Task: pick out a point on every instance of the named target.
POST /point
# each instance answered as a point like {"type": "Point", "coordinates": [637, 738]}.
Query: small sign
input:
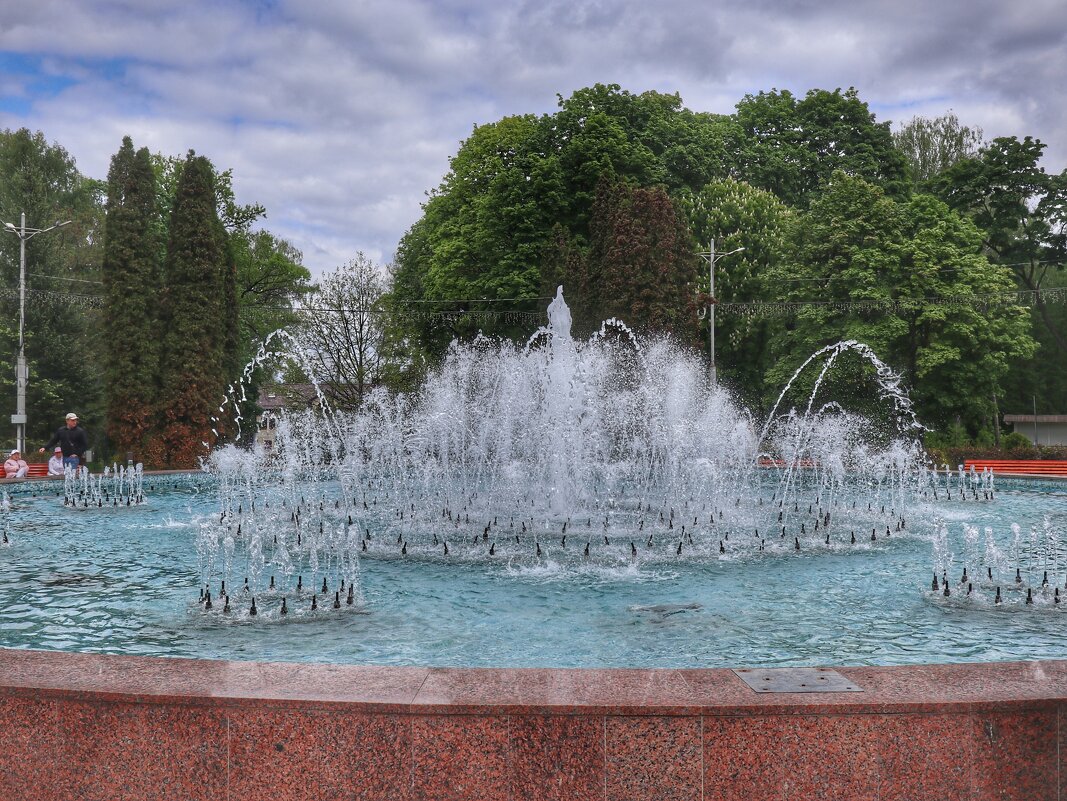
{"type": "Point", "coordinates": [796, 680]}
{"type": "Point", "coordinates": [18, 419]}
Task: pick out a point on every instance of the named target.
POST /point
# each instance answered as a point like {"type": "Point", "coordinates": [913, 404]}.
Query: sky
{"type": "Point", "coordinates": [339, 116]}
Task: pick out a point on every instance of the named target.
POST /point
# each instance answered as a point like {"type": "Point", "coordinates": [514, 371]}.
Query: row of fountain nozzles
{"type": "Point", "coordinates": [934, 587]}
{"type": "Point", "coordinates": [253, 610]}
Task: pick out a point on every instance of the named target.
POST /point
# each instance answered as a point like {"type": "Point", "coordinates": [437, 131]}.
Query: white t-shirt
{"type": "Point", "coordinates": [55, 466]}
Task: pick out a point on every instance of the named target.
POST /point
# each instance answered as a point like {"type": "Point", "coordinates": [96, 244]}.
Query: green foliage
{"type": "Point", "coordinates": [194, 319]}
{"type": "Point", "coordinates": [520, 193]}
{"type": "Point", "coordinates": [62, 342]}
{"type": "Point", "coordinates": [931, 146]}
{"type": "Point", "coordinates": [1015, 441]}
{"type": "Point", "coordinates": [856, 244]}
{"type": "Point", "coordinates": [131, 283]}
{"type": "Point", "coordinates": [225, 288]}
{"type": "Point", "coordinates": [792, 146]}
{"type": "Point", "coordinates": [737, 215]}
{"type": "Point", "coordinates": [271, 278]}
{"type": "Point", "coordinates": [233, 215]}
{"type": "Point", "coordinates": [1022, 212]}
{"type": "Point", "coordinates": [1021, 209]}
{"type": "Point", "coordinates": [640, 266]}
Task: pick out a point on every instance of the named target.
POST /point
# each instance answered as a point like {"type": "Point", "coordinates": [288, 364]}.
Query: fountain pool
{"type": "Point", "coordinates": [126, 581]}
{"type": "Point", "coordinates": [566, 504]}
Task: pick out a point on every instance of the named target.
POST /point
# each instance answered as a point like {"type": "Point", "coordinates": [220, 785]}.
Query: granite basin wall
{"type": "Point", "coordinates": [111, 727]}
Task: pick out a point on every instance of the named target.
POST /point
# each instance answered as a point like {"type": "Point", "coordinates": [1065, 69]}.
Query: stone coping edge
{"type": "Point", "coordinates": [966, 687]}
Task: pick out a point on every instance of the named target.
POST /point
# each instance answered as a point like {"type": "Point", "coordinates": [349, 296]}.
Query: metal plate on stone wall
{"type": "Point", "coordinates": [796, 680]}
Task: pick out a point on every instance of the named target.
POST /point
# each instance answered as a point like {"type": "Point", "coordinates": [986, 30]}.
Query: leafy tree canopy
{"type": "Point", "coordinates": [736, 216]}
{"type": "Point", "coordinates": [921, 267]}
{"type": "Point", "coordinates": [489, 230]}
{"type": "Point", "coordinates": [1021, 210]}
{"type": "Point", "coordinates": [932, 145]}
{"type": "Point", "coordinates": [42, 180]}
{"type": "Point", "coordinates": [791, 146]}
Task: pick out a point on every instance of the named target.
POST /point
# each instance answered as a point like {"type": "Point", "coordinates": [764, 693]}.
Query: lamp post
{"type": "Point", "coordinates": [710, 256]}
{"type": "Point", "coordinates": [22, 373]}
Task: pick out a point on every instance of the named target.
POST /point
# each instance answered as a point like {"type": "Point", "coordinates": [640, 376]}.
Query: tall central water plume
{"type": "Point", "coordinates": [615, 442]}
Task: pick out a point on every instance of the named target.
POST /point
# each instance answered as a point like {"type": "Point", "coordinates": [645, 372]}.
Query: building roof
{"type": "Point", "coordinates": [279, 396]}
{"type": "Point", "coordinates": [1035, 418]}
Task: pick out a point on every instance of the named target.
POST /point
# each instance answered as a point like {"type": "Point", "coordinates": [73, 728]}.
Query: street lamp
{"type": "Point", "coordinates": [710, 256]}
{"type": "Point", "coordinates": [22, 374]}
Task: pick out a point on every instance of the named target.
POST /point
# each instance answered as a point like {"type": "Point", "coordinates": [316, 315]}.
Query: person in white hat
{"type": "Point", "coordinates": [15, 466]}
{"type": "Point", "coordinates": [72, 438]}
{"type": "Point", "coordinates": [55, 464]}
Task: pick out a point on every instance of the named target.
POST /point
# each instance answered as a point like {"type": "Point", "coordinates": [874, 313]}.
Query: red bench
{"type": "Point", "coordinates": [38, 470]}
{"type": "Point", "coordinates": [1035, 467]}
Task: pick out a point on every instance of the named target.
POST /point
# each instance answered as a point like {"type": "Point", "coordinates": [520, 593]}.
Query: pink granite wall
{"type": "Point", "coordinates": [100, 727]}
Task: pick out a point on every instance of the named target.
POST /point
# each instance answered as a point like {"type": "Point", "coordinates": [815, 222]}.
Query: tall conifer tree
{"type": "Point", "coordinates": [194, 327]}
{"type": "Point", "coordinates": [131, 285]}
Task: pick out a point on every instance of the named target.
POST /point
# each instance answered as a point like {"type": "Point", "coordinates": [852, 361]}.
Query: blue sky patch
{"type": "Point", "coordinates": [25, 71]}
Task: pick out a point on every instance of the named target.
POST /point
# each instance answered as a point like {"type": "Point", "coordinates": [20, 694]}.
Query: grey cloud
{"type": "Point", "coordinates": [339, 116]}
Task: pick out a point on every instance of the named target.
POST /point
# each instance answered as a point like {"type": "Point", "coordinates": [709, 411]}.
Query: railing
{"type": "Point", "coordinates": [1035, 467]}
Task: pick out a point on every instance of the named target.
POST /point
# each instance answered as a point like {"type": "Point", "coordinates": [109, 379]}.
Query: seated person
{"type": "Point", "coordinates": [55, 464]}
{"type": "Point", "coordinates": [15, 466]}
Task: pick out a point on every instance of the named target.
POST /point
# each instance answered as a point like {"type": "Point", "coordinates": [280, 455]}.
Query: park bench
{"type": "Point", "coordinates": [1034, 467]}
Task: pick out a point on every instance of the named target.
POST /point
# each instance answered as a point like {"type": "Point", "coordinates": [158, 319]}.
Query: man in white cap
{"type": "Point", "coordinates": [72, 439]}
{"type": "Point", "coordinates": [15, 466]}
{"type": "Point", "coordinates": [55, 464]}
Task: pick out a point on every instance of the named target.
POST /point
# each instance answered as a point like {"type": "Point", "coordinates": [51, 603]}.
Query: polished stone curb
{"type": "Point", "coordinates": [92, 726]}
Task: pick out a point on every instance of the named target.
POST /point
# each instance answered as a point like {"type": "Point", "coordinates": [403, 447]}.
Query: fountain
{"type": "Point", "coordinates": [562, 504]}
{"type": "Point", "coordinates": [115, 486]}
{"type": "Point", "coordinates": [608, 453]}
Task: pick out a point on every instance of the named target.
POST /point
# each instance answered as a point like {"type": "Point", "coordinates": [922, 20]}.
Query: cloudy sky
{"type": "Point", "coordinates": [338, 115]}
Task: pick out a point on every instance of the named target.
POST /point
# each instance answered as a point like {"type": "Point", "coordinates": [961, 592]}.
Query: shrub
{"type": "Point", "coordinates": [1015, 441]}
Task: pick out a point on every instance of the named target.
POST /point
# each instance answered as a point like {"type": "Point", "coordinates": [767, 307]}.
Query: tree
{"type": "Point", "coordinates": [1022, 211]}
{"type": "Point", "coordinates": [194, 318]}
{"type": "Point", "coordinates": [919, 268]}
{"type": "Point", "coordinates": [640, 267]}
{"type": "Point", "coordinates": [489, 232]}
{"type": "Point", "coordinates": [738, 215]}
{"type": "Point", "coordinates": [271, 279]}
{"type": "Point", "coordinates": [62, 273]}
{"type": "Point", "coordinates": [343, 332]}
{"type": "Point", "coordinates": [931, 146]}
{"type": "Point", "coordinates": [131, 283]}
{"type": "Point", "coordinates": [234, 216]}
{"type": "Point", "coordinates": [792, 146]}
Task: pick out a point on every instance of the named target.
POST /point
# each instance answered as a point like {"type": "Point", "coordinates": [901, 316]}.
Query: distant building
{"type": "Point", "coordinates": [272, 401]}
{"type": "Point", "coordinates": [1042, 429]}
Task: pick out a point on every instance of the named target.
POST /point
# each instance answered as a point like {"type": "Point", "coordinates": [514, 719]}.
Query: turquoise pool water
{"type": "Point", "coordinates": [127, 581]}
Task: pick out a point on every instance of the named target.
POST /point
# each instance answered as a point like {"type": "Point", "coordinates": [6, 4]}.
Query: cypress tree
{"type": "Point", "coordinates": [131, 285]}
{"type": "Point", "coordinates": [194, 312]}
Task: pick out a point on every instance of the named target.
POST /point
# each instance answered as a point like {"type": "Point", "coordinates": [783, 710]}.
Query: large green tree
{"type": "Point", "coordinates": [791, 146]}
{"type": "Point", "coordinates": [131, 274]}
{"type": "Point", "coordinates": [520, 186]}
{"type": "Point", "coordinates": [271, 278]}
{"type": "Point", "coordinates": [41, 179]}
{"type": "Point", "coordinates": [908, 279]}
{"type": "Point", "coordinates": [194, 318]}
{"type": "Point", "coordinates": [736, 216]}
{"type": "Point", "coordinates": [1021, 210]}
{"type": "Point", "coordinates": [932, 145]}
